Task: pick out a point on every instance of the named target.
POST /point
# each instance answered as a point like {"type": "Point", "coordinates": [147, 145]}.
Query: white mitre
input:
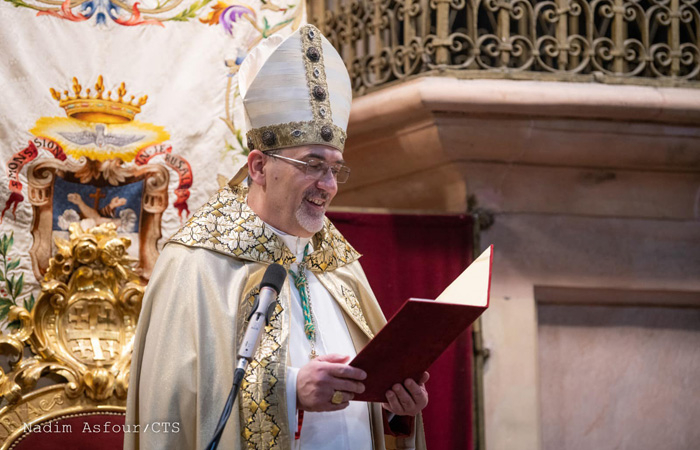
{"type": "Point", "coordinates": [296, 91]}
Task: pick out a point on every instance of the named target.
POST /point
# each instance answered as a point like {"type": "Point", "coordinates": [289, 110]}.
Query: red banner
{"type": "Point", "coordinates": [178, 164]}
{"type": "Point", "coordinates": [17, 162]}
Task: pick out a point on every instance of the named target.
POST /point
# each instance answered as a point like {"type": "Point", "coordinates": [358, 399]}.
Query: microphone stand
{"type": "Point", "coordinates": [238, 375]}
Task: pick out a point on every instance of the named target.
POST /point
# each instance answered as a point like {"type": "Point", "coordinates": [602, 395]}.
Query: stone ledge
{"type": "Point", "coordinates": [521, 146]}
{"type": "Point", "coordinates": [418, 98]}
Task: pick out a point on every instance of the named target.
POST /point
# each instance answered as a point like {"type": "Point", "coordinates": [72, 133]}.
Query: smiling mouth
{"type": "Point", "coordinates": [316, 199]}
{"type": "Point", "coordinates": [316, 202]}
{"type": "Point", "coordinates": [316, 206]}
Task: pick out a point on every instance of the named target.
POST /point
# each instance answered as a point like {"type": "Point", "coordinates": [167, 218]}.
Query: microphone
{"type": "Point", "coordinates": [264, 305]}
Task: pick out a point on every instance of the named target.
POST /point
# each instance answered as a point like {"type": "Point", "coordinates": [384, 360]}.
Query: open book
{"type": "Point", "coordinates": [422, 329]}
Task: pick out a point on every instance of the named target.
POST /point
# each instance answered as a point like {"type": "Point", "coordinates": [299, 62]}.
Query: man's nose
{"type": "Point", "coordinates": [328, 182]}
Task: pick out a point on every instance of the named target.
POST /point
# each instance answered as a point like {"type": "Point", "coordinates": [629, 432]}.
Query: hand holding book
{"type": "Point", "coordinates": [408, 399]}
{"type": "Point", "coordinates": [422, 329]}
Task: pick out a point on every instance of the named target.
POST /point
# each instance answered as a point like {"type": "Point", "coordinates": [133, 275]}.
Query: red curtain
{"type": "Point", "coordinates": [418, 256]}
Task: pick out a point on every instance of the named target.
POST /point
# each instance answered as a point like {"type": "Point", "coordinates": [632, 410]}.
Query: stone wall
{"type": "Point", "coordinates": [595, 192]}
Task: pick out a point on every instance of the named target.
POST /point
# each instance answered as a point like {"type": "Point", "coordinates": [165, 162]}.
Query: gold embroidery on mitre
{"type": "Point", "coordinates": [293, 134]}
{"type": "Point", "coordinates": [312, 45]}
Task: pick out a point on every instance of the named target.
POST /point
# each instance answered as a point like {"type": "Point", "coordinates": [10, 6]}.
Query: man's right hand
{"type": "Point", "coordinates": [321, 377]}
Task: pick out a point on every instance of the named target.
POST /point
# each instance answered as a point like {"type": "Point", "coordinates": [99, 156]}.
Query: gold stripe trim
{"type": "Point", "coordinates": [315, 73]}
{"type": "Point", "coordinates": [263, 408]}
{"type": "Point", "coordinates": [293, 134]}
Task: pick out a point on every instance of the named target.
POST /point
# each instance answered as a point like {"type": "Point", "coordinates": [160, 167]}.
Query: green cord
{"type": "Point", "coordinates": [302, 286]}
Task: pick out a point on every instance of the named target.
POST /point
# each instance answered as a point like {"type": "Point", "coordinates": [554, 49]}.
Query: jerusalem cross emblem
{"type": "Point", "coordinates": [92, 332]}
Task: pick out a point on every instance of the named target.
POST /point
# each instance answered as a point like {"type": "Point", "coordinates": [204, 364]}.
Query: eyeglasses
{"type": "Point", "coordinates": [317, 168]}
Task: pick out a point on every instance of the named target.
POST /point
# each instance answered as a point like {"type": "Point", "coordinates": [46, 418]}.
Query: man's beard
{"type": "Point", "coordinates": [311, 221]}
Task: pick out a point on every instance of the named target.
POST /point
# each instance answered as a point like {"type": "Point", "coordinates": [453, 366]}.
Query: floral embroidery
{"type": "Point", "coordinates": [227, 225]}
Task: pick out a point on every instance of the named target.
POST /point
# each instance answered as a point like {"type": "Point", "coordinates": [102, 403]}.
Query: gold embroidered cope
{"type": "Point", "coordinates": [227, 225]}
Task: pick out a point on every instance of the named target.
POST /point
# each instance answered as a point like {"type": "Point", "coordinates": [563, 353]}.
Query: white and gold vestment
{"type": "Point", "coordinates": [194, 311]}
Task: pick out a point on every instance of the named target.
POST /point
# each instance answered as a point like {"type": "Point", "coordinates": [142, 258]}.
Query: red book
{"type": "Point", "coordinates": [422, 329]}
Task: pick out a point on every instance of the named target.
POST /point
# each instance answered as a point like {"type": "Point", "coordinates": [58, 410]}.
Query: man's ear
{"type": "Point", "coordinates": [256, 167]}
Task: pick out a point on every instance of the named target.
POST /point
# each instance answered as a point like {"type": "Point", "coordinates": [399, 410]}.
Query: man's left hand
{"type": "Point", "coordinates": [408, 399]}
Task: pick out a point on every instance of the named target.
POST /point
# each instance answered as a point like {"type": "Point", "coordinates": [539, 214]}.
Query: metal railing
{"type": "Point", "coordinates": [655, 42]}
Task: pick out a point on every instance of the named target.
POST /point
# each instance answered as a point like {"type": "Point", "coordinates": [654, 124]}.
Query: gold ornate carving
{"type": "Point", "coordinates": [46, 404]}
{"type": "Point", "coordinates": [616, 41]}
{"type": "Point", "coordinates": [80, 330]}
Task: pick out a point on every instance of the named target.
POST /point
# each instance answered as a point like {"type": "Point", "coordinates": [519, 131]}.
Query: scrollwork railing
{"type": "Point", "coordinates": [653, 42]}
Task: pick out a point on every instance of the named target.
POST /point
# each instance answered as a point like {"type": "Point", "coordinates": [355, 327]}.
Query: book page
{"type": "Point", "coordinates": [473, 285]}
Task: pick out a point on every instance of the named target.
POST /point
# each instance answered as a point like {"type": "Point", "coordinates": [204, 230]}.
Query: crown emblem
{"type": "Point", "coordinates": [99, 108]}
